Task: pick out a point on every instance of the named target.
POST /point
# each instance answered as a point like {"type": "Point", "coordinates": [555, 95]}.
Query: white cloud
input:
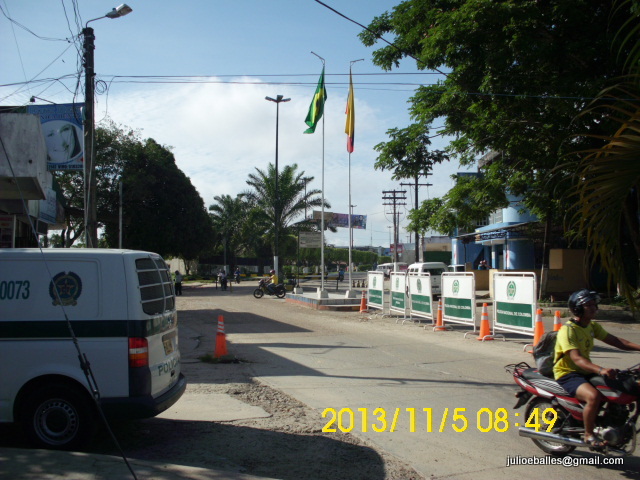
{"type": "Point", "coordinates": [221, 132]}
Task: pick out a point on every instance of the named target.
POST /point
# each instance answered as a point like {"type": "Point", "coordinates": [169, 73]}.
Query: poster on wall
{"type": "Point", "coordinates": [63, 134]}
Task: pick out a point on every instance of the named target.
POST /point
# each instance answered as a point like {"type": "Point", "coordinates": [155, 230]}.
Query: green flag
{"type": "Point", "coordinates": [317, 105]}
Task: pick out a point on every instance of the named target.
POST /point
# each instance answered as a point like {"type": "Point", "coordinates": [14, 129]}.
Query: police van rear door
{"type": "Point", "coordinates": [156, 342]}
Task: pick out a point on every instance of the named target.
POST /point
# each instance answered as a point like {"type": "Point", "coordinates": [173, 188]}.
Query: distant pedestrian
{"type": "Point", "coordinates": [222, 276]}
{"type": "Point", "coordinates": [178, 282]}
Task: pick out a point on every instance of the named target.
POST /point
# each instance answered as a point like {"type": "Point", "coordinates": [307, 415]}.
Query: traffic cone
{"type": "Point", "coordinates": [363, 303]}
{"type": "Point", "coordinates": [221, 340]}
{"type": "Point", "coordinates": [439, 325]}
{"type": "Point", "coordinates": [485, 328]}
{"type": "Point", "coordinates": [538, 330]}
{"type": "Point", "coordinates": [557, 324]}
{"type": "Point", "coordinates": [539, 327]}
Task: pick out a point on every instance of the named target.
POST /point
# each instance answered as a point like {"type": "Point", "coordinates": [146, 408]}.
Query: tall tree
{"type": "Point", "coordinates": [163, 211]}
{"type": "Point", "coordinates": [606, 187]}
{"type": "Point", "coordinates": [515, 75]}
{"type": "Point", "coordinates": [292, 197]}
{"type": "Point", "coordinates": [113, 145]}
{"type": "Point", "coordinates": [408, 155]}
{"type": "Point", "coordinates": [229, 216]}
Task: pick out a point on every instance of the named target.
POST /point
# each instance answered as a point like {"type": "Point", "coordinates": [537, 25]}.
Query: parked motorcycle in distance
{"type": "Point", "coordinates": [553, 419]}
{"type": "Point", "coordinates": [262, 289]}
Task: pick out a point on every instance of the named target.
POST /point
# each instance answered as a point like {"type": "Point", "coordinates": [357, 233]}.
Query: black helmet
{"type": "Point", "coordinates": [272, 272]}
{"type": "Point", "coordinates": [579, 298]}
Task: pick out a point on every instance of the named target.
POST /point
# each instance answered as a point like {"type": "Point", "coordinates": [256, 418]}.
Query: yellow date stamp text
{"type": "Point", "coordinates": [429, 420]}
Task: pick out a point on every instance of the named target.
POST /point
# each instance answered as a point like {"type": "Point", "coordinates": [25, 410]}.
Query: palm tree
{"type": "Point", "coordinates": [229, 216]}
{"type": "Point", "coordinates": [606, 188]}
{"type": "Point", "coordinates": [292, 200]}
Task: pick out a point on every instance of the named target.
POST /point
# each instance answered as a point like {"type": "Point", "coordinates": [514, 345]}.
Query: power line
{"type": "Point", "coordinates": [420, 62]}
{"type": "Point", "coordinates": [32, 32]}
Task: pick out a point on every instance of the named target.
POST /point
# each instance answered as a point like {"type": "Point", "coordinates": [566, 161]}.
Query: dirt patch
{"type": "Point", "coordinates": [289, 444]}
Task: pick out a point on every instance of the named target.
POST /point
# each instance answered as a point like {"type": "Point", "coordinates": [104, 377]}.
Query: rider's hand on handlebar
{"type": "Point", "coordinates": [609, 372]}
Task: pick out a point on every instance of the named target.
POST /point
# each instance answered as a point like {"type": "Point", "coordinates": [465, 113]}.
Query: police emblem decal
{"type": "Point", "coordinates": [68, 287]}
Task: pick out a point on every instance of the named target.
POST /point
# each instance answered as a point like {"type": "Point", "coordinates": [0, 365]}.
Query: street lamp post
{"type": "Point", "coordinates": [90, 183]}
{"type": "Point", "coordinates": [278, 100]}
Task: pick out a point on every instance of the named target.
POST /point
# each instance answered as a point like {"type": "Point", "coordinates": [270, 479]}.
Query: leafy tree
{"type": "Point", "coordinates": [407, 153]}
{"type": "Point", "coordinates": [163, 212]}
{"type": "Point", "coordinates": [461, 208]}
{"type": "Point", "coordinates": [515, 76]}
{"type": "Point", "coordinates": [113, 146]}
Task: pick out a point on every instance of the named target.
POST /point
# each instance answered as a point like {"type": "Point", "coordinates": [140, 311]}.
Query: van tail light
{"type": "Point", "coordinates": [138, 352]}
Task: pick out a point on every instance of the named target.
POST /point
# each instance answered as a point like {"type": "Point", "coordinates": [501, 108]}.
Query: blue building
{"type": "Point", "coordinates": [505, 242]}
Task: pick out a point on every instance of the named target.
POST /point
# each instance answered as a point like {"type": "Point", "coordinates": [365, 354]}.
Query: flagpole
{"type": "Point", "coordinates": [322, 293]}
{"type": "Point", "coordinates": [350, 294]}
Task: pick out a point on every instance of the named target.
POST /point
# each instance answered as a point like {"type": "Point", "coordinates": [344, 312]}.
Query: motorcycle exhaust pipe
{"type": "Point", "coordinates": [550, 437]}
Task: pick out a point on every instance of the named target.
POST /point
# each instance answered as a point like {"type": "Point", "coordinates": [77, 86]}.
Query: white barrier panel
{"type": "Point", "coordinates": [515, 302]}
{"type": "Point", "coordinates": [398, 293]}
{"type": "Point", "coordinates": [420, 296]}
{"type": "Point", "coordinates": [375, 290]}
{"type": "Point", "coordinates": [459, 298]}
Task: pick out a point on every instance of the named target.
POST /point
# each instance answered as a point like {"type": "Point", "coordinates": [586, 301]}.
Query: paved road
{"type": "Point", "coordinates": [334, 360]}
{"type": "Point", "coordinates": [350, 363]}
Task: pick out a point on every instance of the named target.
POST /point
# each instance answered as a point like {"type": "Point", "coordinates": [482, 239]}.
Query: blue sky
{"type": "Point", "coordinates": [230, 55]}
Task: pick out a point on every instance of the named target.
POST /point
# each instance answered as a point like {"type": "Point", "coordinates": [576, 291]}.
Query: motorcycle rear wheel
{"type": "Point", "coordinates": [546, 446]}
{"type": "Point", "coordinates": [258, 293]}
{"type": "Point", "coordinates": [281, 292]}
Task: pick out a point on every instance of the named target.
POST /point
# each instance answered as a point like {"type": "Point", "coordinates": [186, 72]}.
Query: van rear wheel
{"type": "Point", "coordinates": [58, 417]}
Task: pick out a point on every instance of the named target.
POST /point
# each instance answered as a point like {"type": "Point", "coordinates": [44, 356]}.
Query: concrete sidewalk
{"type": "Point", "coordinates": [23, 464]}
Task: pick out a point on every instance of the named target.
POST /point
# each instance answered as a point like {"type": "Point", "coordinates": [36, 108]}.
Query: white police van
{"type": "Point", "coordinates": [387, 268]}
{"type": "Point", "coordinates": [119, 305]}
{"type": "Point", "coordinates": [434, 269]}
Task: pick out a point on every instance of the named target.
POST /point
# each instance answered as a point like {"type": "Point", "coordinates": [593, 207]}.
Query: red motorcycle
{"type": "Point", "coordinates": [553, 419]}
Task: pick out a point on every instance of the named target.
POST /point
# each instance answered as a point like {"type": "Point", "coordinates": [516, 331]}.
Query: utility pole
{"type": "Point", "coordinates": [416, 185]}
{"type": "Point", "coordinates": [395, 198]}
{"type": "Point", "coordinates": [90, 183]}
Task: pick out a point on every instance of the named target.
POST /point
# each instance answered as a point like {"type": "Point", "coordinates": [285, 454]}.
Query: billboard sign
{"type": "Point", "coordinates": [63, 134]}
{"type": "Point", "coordinates": [310, 239]}
{"type": "Point", "coordinates": [341, 220]}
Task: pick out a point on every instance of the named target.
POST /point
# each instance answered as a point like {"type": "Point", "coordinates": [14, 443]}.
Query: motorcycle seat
{"type": "Point", "coordinates": [532, 376]}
